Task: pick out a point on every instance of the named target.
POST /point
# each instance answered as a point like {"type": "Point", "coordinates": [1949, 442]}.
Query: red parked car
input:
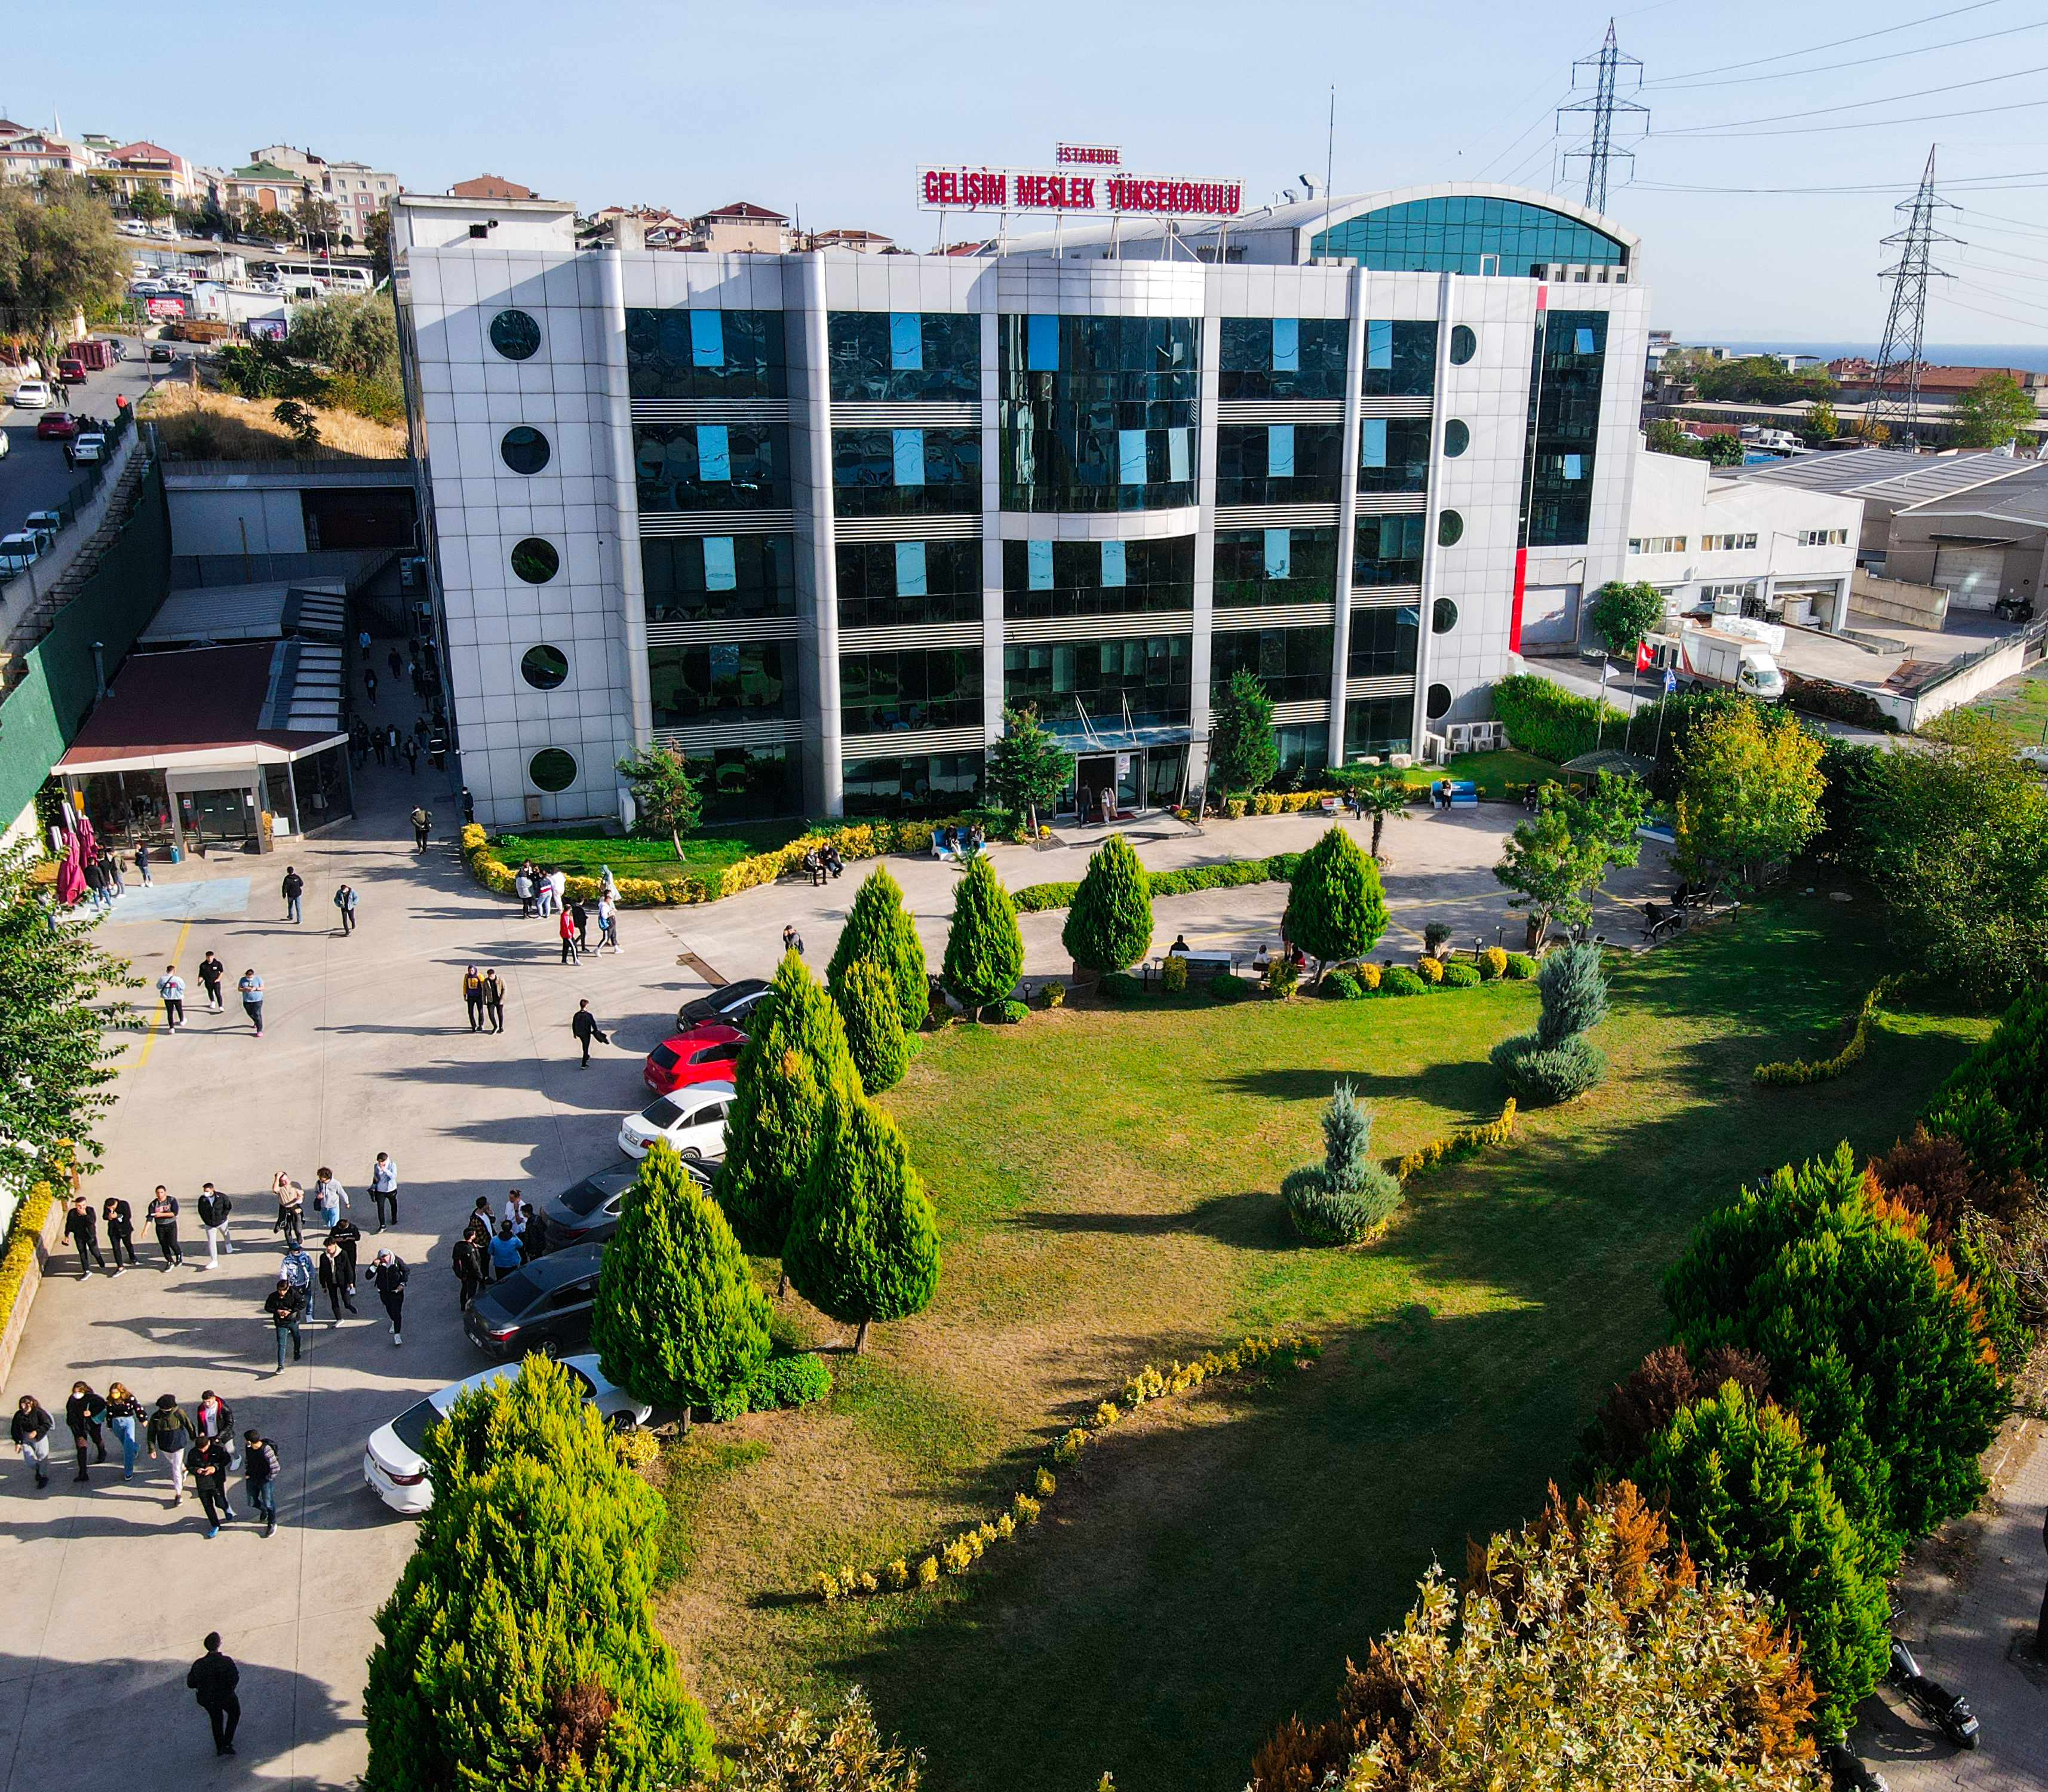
{"type": "Point", "coordinates": [704, 1054]}
{"type": "Point", "coordinates": [56, 424]}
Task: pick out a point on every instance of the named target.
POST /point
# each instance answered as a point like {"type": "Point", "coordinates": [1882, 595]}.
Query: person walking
{"type": "Point", "coordinates": [213, 1679]}
{"type": "Point", "coordinates": [468, 807]}
{"type": "Point", "coordinates": [580, 915]}
{"type": "Point", "coordinates": [112, 866]}
{"type": "Point", "coordinates": [370, 683]}
{"type": "Point", "coordinates": [291, 1207]}
{"type": "Point", "coordinates": [388, 1276]}
{"type": "Point", "coordinates": [522, 887]}
{"type": "Point", "coordinates": [297, 1268]}
{"type": "Point", "coordinates": [391, 744]}
{"type": "Point", "coordinates": [384, 1189]}
{"type": "Point", "coordinates": [345, 1233]}
{"type": "Point", "coordinates": [260, 1466]}
{"type": "Point", "coordinates": [124, 1415]}
{"type": "Point", "coordinates": [583, 1023]}
{"type": "Point", "coordinates": [82, 1228]}
{"type": "Point", "coordinates": [293, 888]}
{"type": "Point", "coordinates": [286, 1307]}
{"type": "Point", "coordinates": [211, 971]}
{"type": "Point", "coordinates": [169, 1434]}
{"type": "Point", "coordinates": [506, 1252]}
{"type": "Point", "coordinates": [93, 881]}
{"type": "Point", "coordinates": [607, 924]}
{"type": "Point", "coordinates": [792, 940]}
{"type": "Point", "coordinates": [423, 817]}
{"type": "Point", "coordinates": [344, 902]}
{"type": "Point", "coordinates": [534, 1236]}
{"type": "Point", "coordinates": [163, 1214]}
{"type": "Point", "coordinates": [377, 744]}
{"type": "Point", "coordinates": [558, 884]}
{"type": "Point", "coordinates": [392, 659]}
{"type": "Point", "coordinates": [213, 1418]}
{"type": "Point", "coordinates": [120, 1229]}
{"type": "Point", "coordinates": [171, 986]}
{"type": "Point", "coordinates": [142, 863]}
{"type": "Point", "coordinates": [214, 1209]}
{"type": "Point", "coordinates": [568, 933]}
{"type": "Point", "coordinates": [207, 1462]}
{"type": "Point", "coordinates": [31, 1433]}
{"type": "Point", "coordinates": [84, 1413]}
{"type": "Point", "coordinates": [329, 1198]}
{"type": "Point", "coordinates": [251, 988]}
{"type": "Point", "coordinates": [472, 997]}
{"type": "Point", "coordinates": [494, 1000]}
{"type": "Point", "coordinates": [412, 758]}
{"type": "Point", "coordinates": [336, 1282]}
{"type": "Point", "coordinates": [469, 1261]}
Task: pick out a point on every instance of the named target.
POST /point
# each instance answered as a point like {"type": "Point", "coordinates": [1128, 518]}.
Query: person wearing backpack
{"type": "Point", "coordinates": [286, 1307]}
{"type": "Point", "coordinates": [213, 1678]}
{"type": "Point", "coordinates": [388, 1275]}
{"type": "Point", "coordinates": [170, 1434]}
{"type": "Point", "coordinates": [344, 900]}
{"type": "Point", "coordinates": [261, 1466]}
{"type": "Point", "coordinates": [214, 1209]}
{"type": "Point", "coordinates": [468, 1261]}
{"type": "Point", "coordinates": [292, 888]}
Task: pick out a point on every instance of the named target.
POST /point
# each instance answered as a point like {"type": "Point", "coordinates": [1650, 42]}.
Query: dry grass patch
{"type": "Point", "coordinates": [195, 424]}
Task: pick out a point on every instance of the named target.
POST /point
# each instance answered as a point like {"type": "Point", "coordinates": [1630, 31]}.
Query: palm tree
{"type": "Point", "coordinates": [1381, 797]}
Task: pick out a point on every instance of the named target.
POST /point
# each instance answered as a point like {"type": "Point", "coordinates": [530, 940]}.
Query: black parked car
{"type": "Point", "coordinates": [543, 1307]}
{"type": "Point", "coordinates": [588, 1213]}
{"type": "Point", "coordinates": [729, 1002]}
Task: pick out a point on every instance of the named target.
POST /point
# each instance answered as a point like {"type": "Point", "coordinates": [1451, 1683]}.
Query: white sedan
{"type": "Point", "coordinates": [692, 1120]}
{"type": "Point", "coordinates": [393, 1463]}
{"type": "Point", "coordinates": [33, 395]}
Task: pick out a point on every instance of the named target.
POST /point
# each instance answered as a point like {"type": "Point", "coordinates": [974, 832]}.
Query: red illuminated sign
{"type": "Point", "coordinates": [1171, 198]}
{"type": "Point", "coordinates": [1091, 155]}
{"type": "Point", "coordinates": [1004, 189]}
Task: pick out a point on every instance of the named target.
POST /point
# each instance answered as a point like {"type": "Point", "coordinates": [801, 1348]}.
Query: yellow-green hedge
{"type": "Point", "coordinates": [1799, 1071]}
{"type": "Point", "coordinates": [18, 1254]}
{"type": "Point", "coordinates": [1464, 1142]}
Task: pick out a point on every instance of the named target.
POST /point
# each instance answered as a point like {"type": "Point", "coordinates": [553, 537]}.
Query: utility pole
{"type": "Point", "coordinates": [1896, 402]}
{"type": "Point", "coordinates": [1609, 64]}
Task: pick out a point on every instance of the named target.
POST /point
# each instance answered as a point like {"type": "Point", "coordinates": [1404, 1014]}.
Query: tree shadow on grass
{"type": "Point", "coordinates": [1468, 1086]}
{"type": "Point", "coordinates": [1253, 1220]}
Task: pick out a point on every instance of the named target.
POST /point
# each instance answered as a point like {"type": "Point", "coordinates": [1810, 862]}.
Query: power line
{"type": "Point", "coordinates": [1815, 49]}
{"type": "Point", "coordinates": [1859, 104]}
{"type": "Point", "coordinates": [1976, 183]}
{"type": "Point", "coordinates": [1676, 84]}
{"type": "Point", "coordinates": [1898, 394]}
{"type": "Point", "coordinates": [1703, 134]}
{"type": "Point", "coordinates": [1608, 64]}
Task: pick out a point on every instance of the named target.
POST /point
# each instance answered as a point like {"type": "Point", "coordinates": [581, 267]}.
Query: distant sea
{"type": "Point", "coordinates": [2032, 356]}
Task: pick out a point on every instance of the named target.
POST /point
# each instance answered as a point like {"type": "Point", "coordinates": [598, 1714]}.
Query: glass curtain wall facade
{"type": "Point", "coordinates": [901, 585]}
{"type": "Point", "coordinates": [1462, 233]}
{"type": "Point", "coordinates": [1564, 428]}
{"type": "Point", "coordinates": [1098, 578]}
{"type": "Point", "coordinates": [1256, 567]}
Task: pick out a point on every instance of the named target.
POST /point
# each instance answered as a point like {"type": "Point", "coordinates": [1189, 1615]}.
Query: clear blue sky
{"type": "Point", "coordinates": [826, 110]}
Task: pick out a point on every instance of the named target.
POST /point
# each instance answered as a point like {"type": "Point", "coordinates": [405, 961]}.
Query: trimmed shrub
{"type": "Point", "coordinates": [1547, 1074]}
{"type": "Point", "coordinates": [984, 952]}
{"type": "Point", "coordinates": [1035, 898]}
{"type": "Point", "coordinates": [1367, 975]}
{"type": "Point", "coordinates": [1013, 1012]}
{"type": "Point", "coordinates": [1549, 722]}
{"type": "Point", "coordinates": [1225, 986]}
{"type": "Point", "coordinates": [1109, 926]}
{"type": "Point", "coordinates": [1466, 1142]}
{"type": "Point", "coordinates": [868, 1004]}
{"type": "Point", "coordinates": [795, 1380]}
{"type": "Point", "coordinates": [1492, 963]}
{"type": "Point", "coordinates": [1430, 971]}
{"type": "Point", "coordinates": [878, 927]}
{"type": "Point", "coordinates": [1335, 908]}
{"type": "Point", "coordinates": [1348, 1198]}
{"type": "Point", "coordinates": [1283, 977]}
{"type": "Point", "coordinates": [1573, 989]}
{"type": "Point", "coordinates": [1118, 987]}
{"type": "Point", "coordinates": [1995, 1101]}
{"type": "Point", "coordinates": [1800, 1072]}
{"type": "Point", "coordinates": [1173, 974]}
{"type": "Point", "coordinates": [1435, 937]}
{"type": "Point", "coordinates": [1458, 975]}
{"type": "Point", "coordinates": [1399, 980]}
{"type": "Point", "coordinates": [1053, 994]}
{"type": "Point", "coordinates": [1521, 967]}
{"type": "Point", "coordinates": [1341, 986]}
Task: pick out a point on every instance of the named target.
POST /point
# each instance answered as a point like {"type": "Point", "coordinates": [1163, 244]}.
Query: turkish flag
{"type": "Point", "coordinates": [1644, 659]}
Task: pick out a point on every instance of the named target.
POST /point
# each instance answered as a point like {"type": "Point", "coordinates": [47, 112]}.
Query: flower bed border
{"type": "Point", "coordinates": [1798, 1072]}
{"type": "Point", "coordinates": [1465, 1142]}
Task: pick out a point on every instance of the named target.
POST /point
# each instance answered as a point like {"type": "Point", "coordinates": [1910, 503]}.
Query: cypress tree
{"type": "Point", "coordinates": [879, 926]}
{"type": "Point", "coordinates": [518, 1650]}
{"type": "Point", "coordinates": [984, 950]}
{"type": "Point", "coordinates": [1336, 909]}
{"type": "Point", "coordinates": [795, 1055]}
{"type": "Point", "coordinates": [678, 1320]}
{"type": "Point", "coordinates": [1109, 924]}
{"type": "Point", "coordinates": [864, 1242]}
{"type": "Point", "coordinates": [867, 997]}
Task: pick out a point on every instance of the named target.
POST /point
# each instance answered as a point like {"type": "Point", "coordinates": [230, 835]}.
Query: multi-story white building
{"type": "Point", "coordinates": [817, 519]}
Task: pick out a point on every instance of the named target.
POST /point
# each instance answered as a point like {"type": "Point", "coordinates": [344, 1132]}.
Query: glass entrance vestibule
{"type": "Point", "coordinates": [1119, 778]}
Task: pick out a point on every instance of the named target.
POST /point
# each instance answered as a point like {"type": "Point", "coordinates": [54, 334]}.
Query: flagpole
{"type": "Point", "coordinates": [1600, 703]}
{"type": "Point", "coordinates": [1658, 750]}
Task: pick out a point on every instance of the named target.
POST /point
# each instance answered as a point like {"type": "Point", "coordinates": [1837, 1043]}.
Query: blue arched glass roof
{"type": "Point", "coordinates": [1450, 233]}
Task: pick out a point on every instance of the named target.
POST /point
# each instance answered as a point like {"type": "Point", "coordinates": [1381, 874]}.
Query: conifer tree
{"type": "Point", "coordinates": [879, 926]}
{"type": "Point", "coordinates": [867, 997]}
{"type": "Point", "coordinates": [984, 950]}
{"type": "Point", "coordinates": [1336, 909]}
{"type": "Point", "coordinates": [795, 1055]}
{"type": "Point", "coordinates": [1109, 923]}
{"type": "Point", "coordinates": [679, 1321]}
{"type": "Point", "coordinates": [864, 1242]}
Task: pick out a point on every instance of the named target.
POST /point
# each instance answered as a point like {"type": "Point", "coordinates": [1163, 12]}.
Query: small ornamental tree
{"type": "Point", "coordinates": [1335, 908]}
{"type": "Point", "coordinates": [1624, 612]}
{"type": "Point", "coordinates": [518, 1649]}
{"type": "Point", "coordinates": [665, 793]}
{"type": "Point", "coordinates": [1027, 768]}
{"type": "Point", "coordinates": [984, 950]}
{"type": "Point", "coordinates": [1380, 798]}
{"type": "Point", "coordinates": [794, 1057]}
{"type": "Point", "coordinates": [878, 927]}
{"type": "Point", "coordinates": [863, 1244]}
{"type": "Point", "coordinates": [1109, 923]}
{"type": "Point", "coordinates": [1746, 1491]}
{"type": "Point", "coordinates": [1242, 753]}
{"type": "Point", "coordinates": [678, 1320]}
{"type": "Point", "coordinates": [1558, 859]}
{"type": "Point", "coordinates": [867, 998]}
{"type": "Point", "coordinates": [1558, 1061]}
{"type": "Point", "coordinates": [1350, 1195]}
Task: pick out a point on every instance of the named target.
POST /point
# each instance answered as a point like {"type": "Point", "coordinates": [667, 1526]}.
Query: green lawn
{"type": "Point", "coordinates": [1105, 1179]}
{"type": "Point", "coordinates": [580, 851]}
{"type": "Point", "coordinates": [1494, 772]}
{"type": "Point", "coordinates": [2019, 707]}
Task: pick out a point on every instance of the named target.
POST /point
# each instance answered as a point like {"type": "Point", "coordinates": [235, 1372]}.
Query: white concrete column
{"type": "Point", "coordinates": [625, 499]}
{"type": "Point", "coordinates": [811, 420]}
{"type": "Point", "coordinates": [1446, 284]}
{"type": "Point", "coordinates": [1347, 512]}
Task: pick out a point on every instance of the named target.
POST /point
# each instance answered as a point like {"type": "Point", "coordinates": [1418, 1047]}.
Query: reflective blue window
{"type": "Point", "coordinates": [1378, 343]}
{"type": "Point", "coordinates": [714, 451]}
{"type": "Point", "coordinates": [712, 466]}
{"type": "Point", "coordinates": [1372, 442]}
{"type": "Point", "coordinates": [1400, 359]}
{"type": "Point", "coordinates": [685, 353]}
{"type": "Point", "coordinates": [707, 339]}
{"type": "Point", "coordinates": [1043, 354]}
{"type": "Point", "coordinates": [1280, 451]}
{"type": "Point", "coordinates": [1393, 454]}
{"type": "Point", "coordinates": [910, 569]}
{"type": "Point", "coordinates": [1112, 564]}
{"type": "Point", "coordinates": [1283, 357]}
{"type": "Point", "coordinates": [1097, 578]}
{"type": "Point", "coordinates": [905, 472]}
{"type": "Point", "coordinates": [1451, 234]}
{"type": "Point", "coordinates": [1257, 567]}
{"type": "Point", "coordinates": [909, 454]}
{"type": "Point", "coordinates": [907, 343]}
{"type": "Point", "coordinates": [1279, 554]}
{"type": "Point", "coordinates": [896, 585]}
{"type": "Point", "coordinates": [720, 572]}
{"type": "Point", "coordinates": [715, 578]}
{"type": "Point", "coordinates": [1286, 345]}
{"type": "Point", "coordinates": [904, 357]}
{"type": "Point", "coordinates": [1130, 456]}
{"type": "Point", "coordinates": [1039, 556]}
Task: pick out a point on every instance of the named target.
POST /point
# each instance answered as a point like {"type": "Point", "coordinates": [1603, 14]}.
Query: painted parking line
{"type": "Point", "coordinates": [155, 1019]}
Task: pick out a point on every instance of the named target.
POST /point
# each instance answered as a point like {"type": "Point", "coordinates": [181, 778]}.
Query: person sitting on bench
{"type": "Point", "coordinates": [1179, 945]}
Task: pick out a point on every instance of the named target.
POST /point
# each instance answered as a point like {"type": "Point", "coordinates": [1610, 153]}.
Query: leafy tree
{"type": "Point", "coordinates": [678, 1320]}
{"type": "Point", "coordinates": [863, 1242]}
{"type": "Point", "coordinates": [1561, 858]}
{"type": "Point", "coordinates": [518, 1650]}
{"type": "Point", "coordinates": [1758, 379]}
{"type": "Point", "coordinates": [268, 226]}
{"type": "Point", "coordinates": [878, 927]}
{"type": "Point", "coordinates": [1242, 753]}
{"type": "Point", "coordinates": [794, 1057]}
{"type": "Point", "coordinates": [377, 240]}
{"type": "Point", "coordinates": [53, 1026]}
{"type": "Point", "coordinates": [1747, 1493]}
{"type": "Point", "coordinates": [1624, 612]}
{"type": "Point", "coordinates": [298, 419]}
{"type": "Point", "coordinates": [867, 1003]}
{"type": "Point", "coordinates": [150, 204]}
{"type": "Point", "coordinates": [1665, 436]}
{"type": "Point", "coordinates": [317, 217]}
{"type": "Point", "coordinates": [1995, 1101]}
{"type": "Point", "coordinates": [1109, 922]}
{"type": "Point", "coordinates": [769, 1749]}
{"type": "Point", "coordinates": [59, 256]}
{"type": "Point", "coordinates": [1349, 1196]}
{"type": "Point", "coordinates": [1583, 1652]}
{"type": "Point", "coordinates": [1871, 1336]}
{"type": "Point", "coordinates": [1725, 450]}
{"type": "Point", "coordinates": [664, 792]}
{"type": "Point", "coordinates": [1749, 790]}
{"type": "Point", "coordinates": [1335, 908]}
{"type": "Point", "coordinates": [1993, 413]}
{"type": "Point", "coordinates": [1822, 423]}
{"type": "Point", "coordinates": [350, 332]}
{"type": "Point", "coordinates": [984, 950]}
{"type": "Point", "coordinates": [1027, 768]}
{"type": "Point", "coordinates": [1645, 1402]}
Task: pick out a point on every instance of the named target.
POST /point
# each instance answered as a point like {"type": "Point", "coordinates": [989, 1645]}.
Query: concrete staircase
{"type": "Point", "coordinates": [36, 622]}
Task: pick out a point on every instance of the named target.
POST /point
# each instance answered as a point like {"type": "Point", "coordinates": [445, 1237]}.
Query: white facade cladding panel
{"type": "Point", "coordinates": [1464, 513]}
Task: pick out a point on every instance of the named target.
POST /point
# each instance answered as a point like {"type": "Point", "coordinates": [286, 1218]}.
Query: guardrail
{"type": "Point", "coordinates": [82, 493]}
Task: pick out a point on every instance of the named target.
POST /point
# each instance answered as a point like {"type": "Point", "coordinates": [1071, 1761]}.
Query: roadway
{"type": "Point", "coordinates": [33, 476]}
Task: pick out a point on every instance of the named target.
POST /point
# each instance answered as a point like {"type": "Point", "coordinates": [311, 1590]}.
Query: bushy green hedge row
{"type": "Point", "coordinates": [1550, 721]}
{"type": "Point", "coordinates": [1036, 898]}
{"type": "Point", "coordinates": [1995, 1103]}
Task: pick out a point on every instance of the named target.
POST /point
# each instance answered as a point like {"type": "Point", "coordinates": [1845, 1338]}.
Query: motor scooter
{"type": "Point", "coordinates": [1848, 1774]}
{"type": "Point", "coordinates": [1948, 1711]}
{"type": "Point", "coordinates": [2014, 609]}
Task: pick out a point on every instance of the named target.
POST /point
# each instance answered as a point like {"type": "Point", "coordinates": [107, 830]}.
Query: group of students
{"type": "Point", "coordinates": [488, 1250]}
{"type": "Point", "coordinates": [334, 1272]}
{"type": "Point", "coordinates": [248, 986]}
{"type": "Point", "coordinates": [202, 1445]}
{"type": "Point", "coordinates": [546, 893]}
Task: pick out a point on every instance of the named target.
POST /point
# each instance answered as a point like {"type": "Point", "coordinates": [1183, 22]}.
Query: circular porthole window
{"type": "Point", "coordinates": [515, 335]}
{"type": "Point", "coordinates": [1442, 616]}
{"type": "Point", "coordinates": [544, 668]}
{"type": "Point", "coordinates": [1438, 703]}
{"type": "Point", "coordinates": [535, 561]}
{"type": "Point", "coordinates": [1457, 438]}
{"type": "Point", "coordinates": [1465, 345]}
{"type": "Point", "coordinates": [1450, 525]}
{"type": "Point", "coordinates": [551, 769]}
{"type": "Point", "coordinates": [525, 450]}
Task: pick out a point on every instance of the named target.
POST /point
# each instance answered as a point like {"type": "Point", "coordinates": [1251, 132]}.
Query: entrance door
{"type": "Point", "coordinates": [217, 815]}
{"type": "Point", "coordinates": [1093, 774]}
{"type": "Point", "coordinates": [1972, 577]}
{"type": "Point", "coordinates": [1130, 781]}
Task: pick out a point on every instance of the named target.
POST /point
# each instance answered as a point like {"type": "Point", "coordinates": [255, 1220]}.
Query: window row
{"type": "Point", "coordinates": [1148, 680]}
{"type": "Point", "coordinates": [921, 688]}
{"type": "Point", "coordinates": [1719, 543]}
{"type": "Point", "coordinates": [899, 357]}
{"type": "Point", "coordinates": [684, 354]}
{"type": "Point", "coordinates": [1272, 566]}
{"type": "Point", "coordinates": [732, 681]}
{"type": "Point", "coordinates": [1097, 578]}
{"type": "Point", "coordinates": [905, 472]}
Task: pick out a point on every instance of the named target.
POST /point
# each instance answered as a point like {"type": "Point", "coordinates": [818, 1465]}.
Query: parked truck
{"type": "Point", "coordinates": [1709, 658]}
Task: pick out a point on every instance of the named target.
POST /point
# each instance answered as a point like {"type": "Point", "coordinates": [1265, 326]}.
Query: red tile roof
{"type": "Point", "coordinates": [206, 698]}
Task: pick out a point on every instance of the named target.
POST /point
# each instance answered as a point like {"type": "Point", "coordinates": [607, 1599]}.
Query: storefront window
{"type": "Point", "coordinates": [710, 578]}
{"type": "Point", "coordinates": [898, 357]}
{"type": "Point", "coordinates": [1283, 357]}
{"type": "Point", "coordinates": [744, 783]}
{"type": "Point", "coordinates": [1267, 566]}
{"type": "Point", "coordinates": [1293, 664]}
{"type": "Point", "coordinates": [1388, 551]}
{"type": "Point", "coordinates": [897, 584]}
{"type": "Point", "coordinates": [1393, 454]}
{"type": "Point", "coordinates": [1279, 463]}
{"type": "Point", "coordinates": [1152, 675]}
{"type": "Point", "coordinates": [128, 806]}
{"type": "Point", "coordinates": [737, 681]}
{"type": "Point", "coordinates": [701, 353]}
{"type": "Point", "coordinates": [712, 466]}
{"type": "Point", "coordinates": [1383, 642]}
{"type": "Point", "coordinates": [932, 783]}
{"type": "Point", "coordinates": [1304, 749]}
{"type": "Point", "coordinates": [928, 687]}
{"type": "Point", "coordinates": [1097, 578]}
{"type": "Point", "coordinates": [905, 472]}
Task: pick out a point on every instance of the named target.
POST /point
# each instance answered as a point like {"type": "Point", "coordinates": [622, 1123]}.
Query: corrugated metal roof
{"type": "Point", "coordinates": [1888, 475]}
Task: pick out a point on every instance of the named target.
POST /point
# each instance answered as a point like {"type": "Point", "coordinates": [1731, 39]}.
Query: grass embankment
{"type": "Point", "coordinates": [206, 425]}
{"type": "Point", "coordinates": [1106, 1183]}
{"type": "Point", "coordinates": [581, 851]}
{"type": "Point", "coordinates": [2018, 708]}
{"type": "Point", "coordinates": [1496, 775]}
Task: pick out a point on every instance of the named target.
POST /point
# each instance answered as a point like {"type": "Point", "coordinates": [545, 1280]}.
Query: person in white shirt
{"type": "Point", "coordinates": [517, 1211]}
{"type": "Point", "coordinates": [384, 1187]}
{"type": "Point", "coordinates": [558, 884]}
{"type": "Point", "coordinates": [172, 987]}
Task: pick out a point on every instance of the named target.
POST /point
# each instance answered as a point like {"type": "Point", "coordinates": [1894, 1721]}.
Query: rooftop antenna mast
{"type": "Point", "coordinates": [1896, 403]}
{"type": "Point", "coordinates": [1609, 65]}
